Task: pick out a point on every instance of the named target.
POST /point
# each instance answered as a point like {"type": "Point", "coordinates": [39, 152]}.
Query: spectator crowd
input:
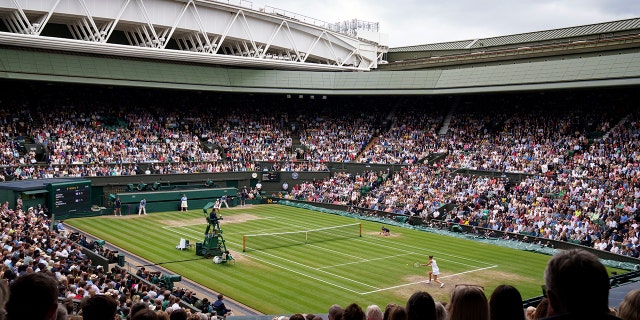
{"type": "Point", "coordinates": [577, 154]}
{"type": "Point", "coordinates": [37, 259]}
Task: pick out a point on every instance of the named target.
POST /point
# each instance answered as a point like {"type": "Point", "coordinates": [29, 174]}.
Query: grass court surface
{"type": "Point", "coordinates": [308, 278]}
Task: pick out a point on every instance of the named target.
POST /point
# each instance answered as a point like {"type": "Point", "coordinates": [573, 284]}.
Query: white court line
{"type": "Point", "coordinates": [424, 281]}
{"type": "Point", "coordinates": [367, 260]}
{"type": "Point", "coordinates": [298, 263]}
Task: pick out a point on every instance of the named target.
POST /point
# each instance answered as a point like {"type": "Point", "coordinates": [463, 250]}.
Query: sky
{"type": "Point", "coordinates": [415, 22]}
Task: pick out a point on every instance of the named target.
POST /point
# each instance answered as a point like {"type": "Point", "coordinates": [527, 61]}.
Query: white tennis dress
{"type": "Point", "coordinates": [434, 267]}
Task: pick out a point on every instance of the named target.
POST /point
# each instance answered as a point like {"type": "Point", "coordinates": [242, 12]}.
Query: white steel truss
{"type": "Point", "coordinates": [188, 30]}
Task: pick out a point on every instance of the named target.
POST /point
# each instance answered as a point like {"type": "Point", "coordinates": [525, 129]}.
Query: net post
{"type": "Point", "coordinates": [360, 229]}
{"type": "Point", "coordinates": [244, 242]}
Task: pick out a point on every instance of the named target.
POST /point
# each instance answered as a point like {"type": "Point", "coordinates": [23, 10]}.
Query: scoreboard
{"type": "Point", "coordinates": [271, 176]}
{"type": "Point", "coordinates": [70, 197]}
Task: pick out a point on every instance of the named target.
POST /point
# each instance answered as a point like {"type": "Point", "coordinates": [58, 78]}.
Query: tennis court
{"type": "Point", "coordinates": [309, 271]}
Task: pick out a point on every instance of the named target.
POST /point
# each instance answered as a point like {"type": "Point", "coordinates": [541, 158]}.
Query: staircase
{"type": "Point", "coordinates": [447, 119]}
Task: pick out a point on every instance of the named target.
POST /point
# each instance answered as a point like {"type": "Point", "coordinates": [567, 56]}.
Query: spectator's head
{"type": "Point", "coordinates": [630, 307]}
{"type": "Point", "coordinates": [506, 304]}
{"type": "Point", "coordinates": [387, 310]}
{"type": "Point", "coordinates": [178, 314]}
{"type": "Point", "coordinates": [335, 312]}
{"type": "Point", "coordinates": [441, 311]}
{"type": "Point", "coordinates": [353, 312]}
{"type": "Point", "coordinates": [28, 289]}
{"type": "Point", "coordinates": [137, 307]}
{"type": "Point", "coordinates": [145, 314]}
{"type": "Point", "coordinates": [99, 307]}
{"type": "Point", "coordinates": [569, 275]}
{"type": "Point", "coordinates": [61, 313]}
{"type": "Point", "coordinates": [373, 312]}
{"type": "Point", "coordinates": [421, 306]}
{"type": "Point", "coordinates": [398, 313]}
{"type": "Point", "coordinates": [468, 302]}
{"type": "Point", "coordinates": [297, 316]}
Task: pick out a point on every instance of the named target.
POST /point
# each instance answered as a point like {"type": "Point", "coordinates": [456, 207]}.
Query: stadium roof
{"type": "Point", "coordinates": [522, 38]}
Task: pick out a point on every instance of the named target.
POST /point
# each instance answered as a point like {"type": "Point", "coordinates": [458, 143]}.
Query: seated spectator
{"type": "Point", "coordinates": [421, 306]}
{"type": "Point", "coordinates": [145, 314]}
{"type": "Point", "coordinates": [565, 278]}
{"type": "Point", "coordinates": [335, 312]}
{"type": "Point", "coordinates": [99, 307]}
{"type": "Point", "coordinates": [468, 302]}
{"type": "Point", "coordinates": [26, 290]}
{"type": "Point", "coordinates": [387, 310]}
{"type": "Point", "coordinates": [220, 308]}
{"type": "Point", "coordinates": [373, 312]}
{"type": "Point", "coordinates": [629, 308]}
{"type": "Point", "coordinates": [178, 314]}
{"type": "Point", "coordinates": [353, 312]}
{"type": "Point", "coordinates": [398, 313]}
{"type": "Point", "coordinates": [62, 313]}
{"type": "Point", "coordinates": [506, 304]}
{"type": "Point", "coordinates": [441, 311]}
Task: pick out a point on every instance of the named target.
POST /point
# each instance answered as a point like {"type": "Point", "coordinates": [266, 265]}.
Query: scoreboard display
{"type": "Point", "coordinates": [271, 176]}
{"type": "Point", "coordinates": [70, 197]}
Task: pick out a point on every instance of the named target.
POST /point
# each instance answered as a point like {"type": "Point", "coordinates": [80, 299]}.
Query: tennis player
{"type": "Point", "coordinates": [435, 271]}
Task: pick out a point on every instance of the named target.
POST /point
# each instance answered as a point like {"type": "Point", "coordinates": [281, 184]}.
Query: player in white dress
{"type": "Point", "coordinates": [435, 271]}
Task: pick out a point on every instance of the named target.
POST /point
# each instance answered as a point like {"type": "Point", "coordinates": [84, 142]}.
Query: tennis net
{"type": "Point", "coordinates": [283, 239]}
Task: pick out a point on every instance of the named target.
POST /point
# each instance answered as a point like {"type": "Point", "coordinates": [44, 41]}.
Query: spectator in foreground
{"type": "Point", "coordinates": [506, 304]}
{"type": "Point", "coordinates": [33, 296]}
{"type": "Point", "coordinates": [335, 312]}
{"type": "Point", "coordinates": [373, 312]}
{"type": "Point", "coordinates": [99, 307]}
{"type": "Point", "coordinates": [61, 313]}
{"type": "Point", "coordinates": [145, 314]}
{"type": "Point", "coordinates": [468, 302]}
{"type": "Point", "coordinates": [441, 311]}
{"type": "Point", "coordinates": [421, 306]}
{"type": "Point", "coordinates": [398, 313]}
{"type": "Point", "coordinates": [629, 308]}
{"type": "Point", "coordinates": [387, 310]}
{"type": "Point", "coordinates": [353, 312]}
{"type": "Point", "coordinates": [570, 273]}
{"type": "Point", "coordinates": [178, 314]}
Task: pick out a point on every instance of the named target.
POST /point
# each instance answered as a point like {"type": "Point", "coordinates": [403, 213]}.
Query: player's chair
{"type": "Point", "coordinates": [183, 244]}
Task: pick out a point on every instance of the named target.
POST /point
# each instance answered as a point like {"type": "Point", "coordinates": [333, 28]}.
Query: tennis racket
{"type": "Point", "coordinates": [417, 264]}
